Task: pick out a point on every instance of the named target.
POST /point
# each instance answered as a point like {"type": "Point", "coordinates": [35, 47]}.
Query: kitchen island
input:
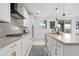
{"type": "Point", "coordinates": [62, 45]}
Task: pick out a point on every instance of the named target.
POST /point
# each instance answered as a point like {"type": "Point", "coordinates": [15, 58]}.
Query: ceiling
{"type": "Point", "coordinates": [49, 9]}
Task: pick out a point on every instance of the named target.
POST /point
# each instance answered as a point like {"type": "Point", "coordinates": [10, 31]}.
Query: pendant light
{"type": "Point", "coordinates": [56, 13]}
{"type": "Point", "coordinates": [64, 10]}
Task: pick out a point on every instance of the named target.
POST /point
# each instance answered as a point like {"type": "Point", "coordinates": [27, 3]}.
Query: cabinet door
{"type": "Point", "coordinates": [48, 43]}
{"type": "Point", "coordinates": [13, 49]}
{"type": "Point", "coordinates": [20, 8]}
{"type": "Point", "coordinates": [51, 45]}
{"type": "Point", "coordinates": [5, 12]}
{"type": "Point", "coordinates": [59, 49]}
{"type": "Point", "coordinates": [19, 48]}
{"type": "Point", "coordinates": [4, 51]}
{"type": "Point", "coordinates": [23, 46]}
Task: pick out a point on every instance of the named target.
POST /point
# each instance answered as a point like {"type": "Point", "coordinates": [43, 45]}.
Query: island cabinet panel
{"type": "Point", "coordinates": [55, 48]}
{"type": "Point", "coordinates": [58, 48]}
{"type": "Point", "coordinates": [51, 45]}
{"type": "Point", "coordinates": [71, 50]}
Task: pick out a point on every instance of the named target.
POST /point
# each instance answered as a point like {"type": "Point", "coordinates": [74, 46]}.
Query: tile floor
{"type": "Point", "coordinates": [38, 48]}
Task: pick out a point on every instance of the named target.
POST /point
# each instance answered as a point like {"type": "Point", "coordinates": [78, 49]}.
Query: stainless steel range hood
{"type": "Point", "coordinates": [15, 13]}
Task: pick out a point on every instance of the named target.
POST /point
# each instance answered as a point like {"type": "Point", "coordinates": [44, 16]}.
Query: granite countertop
{"type": "Point", "coordinates": [67, 39]}
{"type": "Point", "coordinates": [4, 41]}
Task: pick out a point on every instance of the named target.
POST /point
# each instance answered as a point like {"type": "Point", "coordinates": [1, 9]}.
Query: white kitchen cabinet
{"type": "Point", "coordinates": [48, 43]}
{"type": "Point", "coordinates": [55, 48]}
{"type": "Point", "coordinates": [23, 22]}
{"type": "Point", "coordinates": [26, 44]}
{"type": "Point", "coordinates": [13, 49]}
{"type": "Point", "coordinates": [71, 50]}
{"type": "Point", "coordinates": [26, 20]}
{"type": "Point", "coordinates": [4, 51]}
{"type": "Point", "coordinates": [20, 8]}
{"type": "Point", "coordinates": [23, 46]}
{"type": "Point", "coordinates": [51, 44]}
{"type": "Point", "coordinates": [59, 49]}
{"type": "Point", "coordinates": [19, 48]}
{"type": "Point", "coordinates": [5, 12]}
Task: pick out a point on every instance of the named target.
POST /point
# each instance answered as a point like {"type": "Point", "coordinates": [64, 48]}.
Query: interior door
{"type": "Point", "coordinates": [40, 29]}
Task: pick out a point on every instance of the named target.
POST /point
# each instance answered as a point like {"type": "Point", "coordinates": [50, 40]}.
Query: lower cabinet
{"type": "Point", "coordinates": [4, 51]}
{"type": "Point", "coordinates": [18, 48]}
{"type": "Point", "coordinates": [55, 48]}
{"type": "Point", "coordinates": [51, 45]}
{"type": "Point", "coordinates": [59, 49]}
{"type": "Point", "coordinates": [15, 48]}
{"type": "Point", "coordinates": [26, 45]}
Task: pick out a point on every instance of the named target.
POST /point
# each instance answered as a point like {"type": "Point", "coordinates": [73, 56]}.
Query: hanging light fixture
{"type": "Point", "coordinates": [37, 12]}
{"type": "Point", "coordinates": [64, 10]}
{"type": "Point", "coordinates": [56, 13]}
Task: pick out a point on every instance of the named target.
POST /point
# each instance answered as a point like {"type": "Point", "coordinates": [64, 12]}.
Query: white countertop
{"type": "Point", "coordinates": [4, 41]}
{"type": "Point", "coordinates": [67, 39]}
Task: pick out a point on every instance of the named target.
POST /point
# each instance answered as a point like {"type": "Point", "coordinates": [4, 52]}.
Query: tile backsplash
{"type": "Point", "coordinates": [9, 28]}
{"type": "Point", "coordinates": [3, 29]}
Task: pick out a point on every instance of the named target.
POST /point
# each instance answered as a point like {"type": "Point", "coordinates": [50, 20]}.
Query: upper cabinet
{"type": "Point", "coordinates": [4, 12]}
{"type": "Point", "coordinates": [23, 22]}
{"type": "Point", "coordinates": [17, 11]}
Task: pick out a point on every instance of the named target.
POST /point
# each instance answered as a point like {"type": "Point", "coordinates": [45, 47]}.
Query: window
{"type": "Point", "coordinates": [42, 23]}
{"type": "Point", "coordinates": [64, 26]}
